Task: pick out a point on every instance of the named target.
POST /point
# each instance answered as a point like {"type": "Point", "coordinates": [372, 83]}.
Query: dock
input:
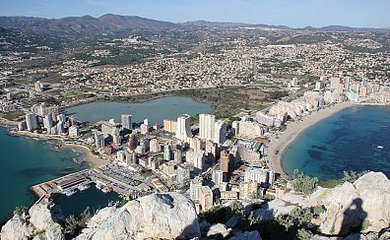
{"type": "Point", "coordinates": [125, 182]}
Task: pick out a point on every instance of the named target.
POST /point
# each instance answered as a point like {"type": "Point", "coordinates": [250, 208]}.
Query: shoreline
{"type": "Point", "coordinates": [87, 156]}
{"type": "Point", "coordinates": [277, 147]}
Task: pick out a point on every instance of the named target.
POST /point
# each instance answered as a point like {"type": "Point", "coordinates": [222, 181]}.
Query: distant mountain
{"type": "Point", "coordinates": [80, 26]}
{"type": "Point", "coordinates": [110, 23]}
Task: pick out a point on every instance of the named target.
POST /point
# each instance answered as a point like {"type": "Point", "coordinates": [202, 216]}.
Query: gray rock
{"type": "Point", "coordinates": [254, 235]}
{"type": "Point", "coordinates": [17, 228]}
{"type": "Point", "coordinates": [155, 216]}
{"type": "Point", "coordinates": [273, 209]}
{"type": "Point", "coordinates": [218, 229]}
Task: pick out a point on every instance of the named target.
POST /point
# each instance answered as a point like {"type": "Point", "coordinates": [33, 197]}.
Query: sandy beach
{"type": "Point", "coordinates": [87, 155]}
{"type": "Point", "coordinates": [278, 145]}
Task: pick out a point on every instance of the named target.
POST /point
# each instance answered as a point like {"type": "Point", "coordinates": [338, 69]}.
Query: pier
{"type": "Point", "coordinates": [109, 177]}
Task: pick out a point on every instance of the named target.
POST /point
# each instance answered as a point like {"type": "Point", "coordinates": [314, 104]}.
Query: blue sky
{"type": "Point", "coordinates": [293, 13]}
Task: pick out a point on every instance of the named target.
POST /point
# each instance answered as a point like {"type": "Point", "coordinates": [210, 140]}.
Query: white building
{"type": "Point", "coordinates": [206, 126]}
{"type": "Point", "coordinates": [183, 130]}
{"type": "Point", "coordinates": [257, 175]}
{"type": "Point", "coordinates": [126, 121]}
{"type": "Point", "coordinates": [73, 131]}
{"type": "Point", "coordinates": [48, 122]}
{"type": "Point", "coordinates": [217, 177]}
{"type": "Point", "coordinates": [31, 121]}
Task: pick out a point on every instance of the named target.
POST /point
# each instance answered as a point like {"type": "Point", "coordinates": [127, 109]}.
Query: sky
{"type": "Point", "coordinates": [292, 13]}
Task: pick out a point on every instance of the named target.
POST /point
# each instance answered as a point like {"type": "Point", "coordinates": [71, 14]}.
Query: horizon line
{"type": "Point", "coordinates": [199, 20]}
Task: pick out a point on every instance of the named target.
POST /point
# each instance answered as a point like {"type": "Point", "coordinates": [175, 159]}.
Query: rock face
{"type": "Point", "coordinates": [38, 225]}
{"type": "Point", "coordinates": [166, 216]}
{"type": "Point", "coordinates": [273, 209]}
{"type": "Point", "coordinates": [362, 205]}
{"type": "Point", "coordinates": [17, 228]}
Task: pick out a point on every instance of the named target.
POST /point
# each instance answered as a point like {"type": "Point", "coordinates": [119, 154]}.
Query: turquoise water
{"type": "Point", "coordinates": [156, 110]}
{"type": "Point", "coordinates": [26, 162]}
{"type": "Point", "coordinates": [347, 140]}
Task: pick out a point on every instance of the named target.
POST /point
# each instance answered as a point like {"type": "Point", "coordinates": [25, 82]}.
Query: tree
{"type": "Point", "coordinates": [20, 210]}
{"type": "Point", "coordinates": [352, 176]}
{"type": "Point", "coordinates": [303, 183]}
{"type": "Point", "coordinates": [74, 225]}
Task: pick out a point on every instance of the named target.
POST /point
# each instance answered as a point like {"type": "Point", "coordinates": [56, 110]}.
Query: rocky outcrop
{"type": "Point", "coordinates": [38, 224]}
{"type": "Point", "coordinates": [362, 205]}
{"type": "Point", "coordinates": [274, 208]}
{"type": "Point", "coordinates": [167, 216]}
{"type": "Point", "coordinates": [17, 228]}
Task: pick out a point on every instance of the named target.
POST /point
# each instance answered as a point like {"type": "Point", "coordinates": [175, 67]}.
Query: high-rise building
{"type": "Point", "coordinates": [48, 122]}
{"type": "Point", "coordinates": [195, 186]}
{"type": "Point", "coordinates": [170, 125]}
{"type": "Point", "coordinates": [73, 131]}
{"type": "Point", "coordinates": [155, 146]}
{"type": "Point", "coordinates": [197, 158]}
{"type": "Point", "coordinates": [220, 131]}
{"type": "Point", "coordinates": [177, 156]}
{"type": "Point", "coordinates": [183, 127]}
{"type": "Point", "coordinates": [133, 141]}
{"type": "Point", "coordinates": [248, 189]}
{"type": "Point", "coordinates": [100, 140]}
{"type": "Point", "coordinates": [126, 121]}
{"type": "Point", "coordinates": [206, 201]}
{"type": "Point", "coordinates": [225, 161]}
{"type": "Point", "coordinates": [168, 152]}
{"type": "Point", "coordinates": [31, 121]}
{"type": "Point", "coordinates": [206, 126]}
{"type": "Point", "coordinates": [257, 174]}
{"type": "Point", "coordinates": [217, 177]}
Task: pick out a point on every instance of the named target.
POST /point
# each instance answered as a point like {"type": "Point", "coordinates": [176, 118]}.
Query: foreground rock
{"type": "Point", "coordinates": [37, 225]}
{"type": "Point", "coordinates": [361, 206]}
{"type": "Point", "coordinates": [166, 216]}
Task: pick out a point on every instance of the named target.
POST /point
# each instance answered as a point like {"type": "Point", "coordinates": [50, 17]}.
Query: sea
{"type": "Point", "coordinates": [25, 162]}
{"type": "Point", "coordinates": [356, 138]}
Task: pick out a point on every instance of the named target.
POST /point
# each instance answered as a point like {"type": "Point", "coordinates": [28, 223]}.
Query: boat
{"type": "Point", "coordinates": [99, 185]}
{"type": "Point", "coordinates": [70, 192]}
{"type": "Point", "coordinates": [379, 147]}
{"type": "Point", "coordinates": [107, 189]}
{"type": "Point", "coordinates": [83, 187]}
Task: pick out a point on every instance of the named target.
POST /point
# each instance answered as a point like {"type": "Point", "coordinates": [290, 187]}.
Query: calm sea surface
{"type": "Point", "coordinates": [156, 110]}
{"type": "Point", "coordinates": [348, 140]}
{"type": "Point", "coordinates": [26, 162]}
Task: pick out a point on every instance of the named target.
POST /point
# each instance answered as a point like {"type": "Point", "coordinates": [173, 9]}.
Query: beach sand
{"type": "Point", "coordinates": [93, 160]}
{"type": "Point", "coordinates": [277, 146]}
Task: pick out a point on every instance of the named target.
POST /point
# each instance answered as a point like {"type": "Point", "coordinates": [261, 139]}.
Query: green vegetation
{"type": "Point", "coordinates": [351, 176]}
{"type": "Point", "coordinates": [303, 183]}
{"type": "Point", "coordinates": [146, 172]}
{"type": "Point", "coordinates": [20, 210]}
{"type": "Point", "coordinates": [296, 225]}
{"type": "Point", "coordinates": [74, 225]}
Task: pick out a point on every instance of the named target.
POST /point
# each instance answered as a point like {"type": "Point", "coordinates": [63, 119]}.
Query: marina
{"type": "Point", "coordinates": [108, 178]}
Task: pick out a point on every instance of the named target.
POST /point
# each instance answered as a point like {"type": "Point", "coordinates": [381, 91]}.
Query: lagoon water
{"type": "Point", "coordinates": [155, 110]}
{"type": "Point", "coordinates": [348, 140]}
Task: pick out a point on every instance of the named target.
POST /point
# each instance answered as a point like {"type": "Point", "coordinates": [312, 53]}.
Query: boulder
{"type": "Point", "coordinates": [274, 208]}
{"type": "Point", "coordinates": [218, 229]}
{"type": "Point", "coordinates": [42, 220]}
{"type": "Point", "coordinates": [155, 216]}
{"type": "Point", "coordinates": [17, 228]}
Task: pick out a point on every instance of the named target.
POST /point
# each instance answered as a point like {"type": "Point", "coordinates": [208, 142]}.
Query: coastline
{"type": "Point", "coordinates": [87, 155]}
{"type": "Point", "coordinates": [278, 146]}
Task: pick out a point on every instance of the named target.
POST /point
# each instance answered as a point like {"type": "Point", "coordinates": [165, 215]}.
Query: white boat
{"type": "Point", "coordinates": [99, 185]}
{"type": "Point", "coordinates": [84, 187]}
{"type": "Point", "coordinates": [379, 147]}
{"type": "Point", "coordinates": [70, 192]}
